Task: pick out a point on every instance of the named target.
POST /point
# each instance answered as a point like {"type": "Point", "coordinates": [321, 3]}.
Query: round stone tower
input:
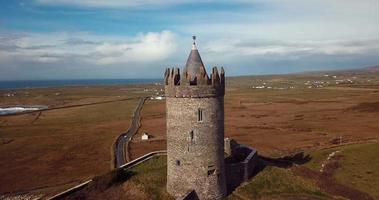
{"type": "Point", "coordinates": [195, 130]}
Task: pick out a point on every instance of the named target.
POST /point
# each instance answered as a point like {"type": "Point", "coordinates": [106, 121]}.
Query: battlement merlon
{"type": "Point", "coordinates": [181, 86]}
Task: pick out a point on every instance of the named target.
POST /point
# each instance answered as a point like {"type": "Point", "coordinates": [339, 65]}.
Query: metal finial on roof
{"type": "Point", "coordinates": [194, 43]}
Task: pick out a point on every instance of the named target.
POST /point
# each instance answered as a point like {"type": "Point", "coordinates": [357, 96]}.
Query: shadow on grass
{"type": "Point", "coordinates": [286, 161]}
{"type": "Point", "coordinates": [282, 162]}
{"type": "Point", "coordinates": [101, 183]}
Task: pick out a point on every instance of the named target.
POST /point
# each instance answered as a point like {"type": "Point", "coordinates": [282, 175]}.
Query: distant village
{"type": "Point", "coordinates": [324, 81]}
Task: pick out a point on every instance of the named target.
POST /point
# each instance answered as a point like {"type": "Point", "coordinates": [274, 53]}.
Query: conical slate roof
{"type": "Point", "coordinates": [194, 63]}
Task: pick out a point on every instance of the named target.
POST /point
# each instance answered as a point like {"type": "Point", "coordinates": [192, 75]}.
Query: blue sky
{"type": "Point", "coordinates": [89, 39]}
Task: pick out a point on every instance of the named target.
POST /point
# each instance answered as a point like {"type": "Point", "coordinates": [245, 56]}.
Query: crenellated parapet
{"type": "Point", "coordinates": [185, 86]}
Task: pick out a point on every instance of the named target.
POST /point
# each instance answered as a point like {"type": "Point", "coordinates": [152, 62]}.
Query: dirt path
{"type": "Point", "coordinates": [122, 143]}
{"type": "Point", "coordinates": [37, 117]}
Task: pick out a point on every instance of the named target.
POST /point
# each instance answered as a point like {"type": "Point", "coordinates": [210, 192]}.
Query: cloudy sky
{"type": "Point", "coordinates": [88, 39]}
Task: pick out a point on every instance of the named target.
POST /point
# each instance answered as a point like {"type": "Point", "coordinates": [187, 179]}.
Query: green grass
{"type": "Point", "coordinates": [152, 175]}
{"type": "Point", "coordinates": [358, 168]}
{"type": "Point", "coordinates": [148, 180]}
{"type": "Point", "coordinates": [274, 181]}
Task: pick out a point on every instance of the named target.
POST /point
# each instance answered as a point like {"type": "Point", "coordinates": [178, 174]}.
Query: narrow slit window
{"type": "Point", "coordinates": [200, 115]}
{"type": "Point", "coordinates": [211, 171]}
{"type": "Point", "coordinates": [191, 136]}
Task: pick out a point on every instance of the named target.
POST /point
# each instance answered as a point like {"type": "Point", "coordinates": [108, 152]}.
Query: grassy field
{"type": "Point", "coordinates": [283, 121]}
{"type": "Point", "coordinates": [277, 183]}
{"type": "Point", "coordinates": [148, 180]}
{"type": "Point", "coordinates": [152, 176]}
{"type": "Point", "coordinates": [353, 166]}
{"type": "Point", "coordinates": [358, 167]}
{"type": "Point", "coordinates": [56, 149]}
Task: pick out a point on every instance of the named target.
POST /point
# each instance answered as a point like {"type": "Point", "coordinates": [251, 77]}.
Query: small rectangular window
{"type": "Point", "coordinates": [211, 170]}
{"type": "Point", "coordinates": [200, 115]}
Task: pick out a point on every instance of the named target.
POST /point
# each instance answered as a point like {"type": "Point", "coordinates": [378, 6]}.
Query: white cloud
{"type": "Point", "coordinates": [147, 48]}
{"type": "Point", "coordinates": [90, 49]}
{"type": "Point", "coordinates": [276, 47]}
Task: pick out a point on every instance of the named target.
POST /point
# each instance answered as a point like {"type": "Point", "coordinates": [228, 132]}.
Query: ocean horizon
{"type": "Point", "coordinates": [23, 84]}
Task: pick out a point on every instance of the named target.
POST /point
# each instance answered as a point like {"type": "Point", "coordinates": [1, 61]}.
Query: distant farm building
{"type": "Point", "coordinates": [157, 98]}
{"type": "Point", "coordinates": [145, 136]}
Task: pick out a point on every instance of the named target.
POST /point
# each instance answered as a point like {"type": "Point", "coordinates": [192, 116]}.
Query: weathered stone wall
{"type": "Point", "coordinates": [195, 149]}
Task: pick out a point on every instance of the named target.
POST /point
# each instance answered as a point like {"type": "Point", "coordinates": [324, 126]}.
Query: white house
{"type": "Point", "coordinates": [145, 136]}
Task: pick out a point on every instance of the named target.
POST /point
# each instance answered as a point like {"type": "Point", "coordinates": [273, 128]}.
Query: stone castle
{"type": "Point", "coordinates": [195, 130]}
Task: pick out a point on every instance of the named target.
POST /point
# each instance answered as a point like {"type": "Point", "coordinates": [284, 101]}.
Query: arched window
{"type": "Point", "coordinates": [200, 115]}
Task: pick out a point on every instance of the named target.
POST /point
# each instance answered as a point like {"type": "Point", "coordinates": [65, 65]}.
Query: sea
{"type": "Point", "coordinates": [22, 84]}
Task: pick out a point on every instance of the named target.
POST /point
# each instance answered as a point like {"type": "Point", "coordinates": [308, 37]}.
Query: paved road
{"type": "Point", "coordinates": [121, 151]}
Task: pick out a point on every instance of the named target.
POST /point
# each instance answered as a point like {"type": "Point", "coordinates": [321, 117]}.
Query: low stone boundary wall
{"type": "Point", "coordinates": [71, 190]}
{"type": "Point", "coordinates": [240, 166]}
{"type": "Point", "coordinates": [249, 163]}
{"type": "Point", "coordinates": [128, 165]}
{"type": "Point", "coordinates": [143, 159]}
